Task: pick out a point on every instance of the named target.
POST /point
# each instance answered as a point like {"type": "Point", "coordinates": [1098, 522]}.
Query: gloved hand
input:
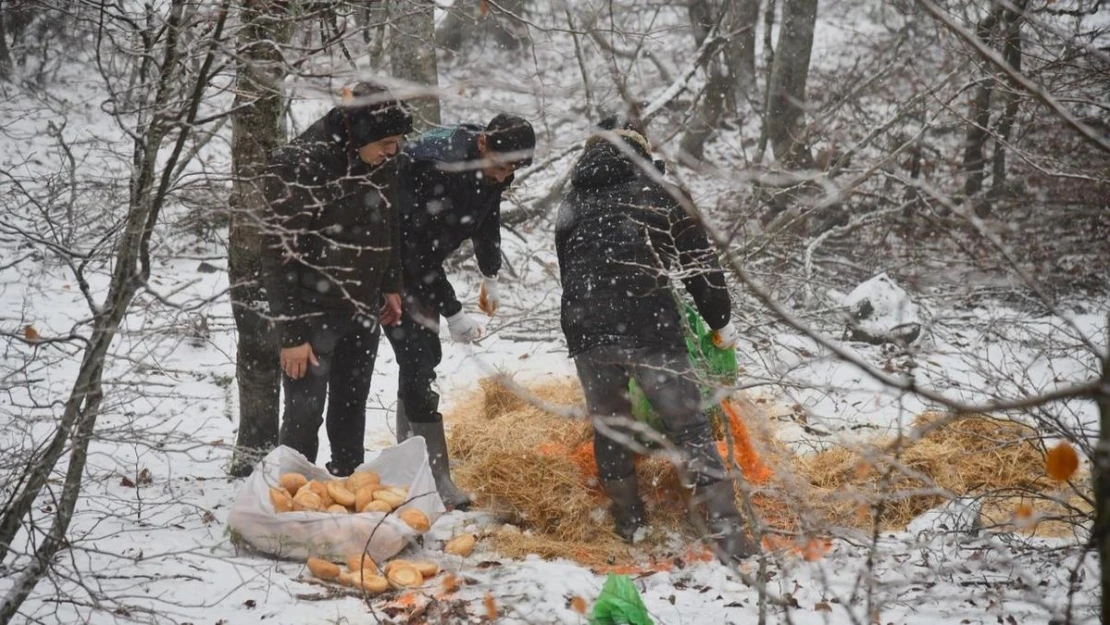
{"type": "Point", "coordinates": [724, 338]}
{"type": "Point", "coordinates": [489, 296]}
{"type": "Point", "coordinates": [464, 328]}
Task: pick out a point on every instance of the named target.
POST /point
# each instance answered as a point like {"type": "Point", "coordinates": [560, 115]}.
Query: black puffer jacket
{"type": "Point", "coordinates": [332, 230]}
{"type": "Point", "coordinates": [444, 201]}
{"type": "Point", "coordinates": [619, 237]}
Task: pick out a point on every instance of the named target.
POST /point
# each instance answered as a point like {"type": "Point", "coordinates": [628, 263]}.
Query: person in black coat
{"type": "Point", "coordinates": [330, 255]}
{"type": "Point", "coordinates": [620, 237]}
{"type": "Point", "coordinates": [451, 181]}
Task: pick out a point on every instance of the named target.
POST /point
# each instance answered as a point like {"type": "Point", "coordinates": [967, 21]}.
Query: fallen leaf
{"type": "Point", "coordinates": [821, 606]}
{"type": "Point", "coordinates": [31, 334]}
{"type": "Point", "coordinates": [578, 604]}
{"type": "Point", "coordinates": [126, 482]}
{"type": "Point", "coordinates": [1061, 462]}
{"type": "Point", "coordinates": [491, 606]}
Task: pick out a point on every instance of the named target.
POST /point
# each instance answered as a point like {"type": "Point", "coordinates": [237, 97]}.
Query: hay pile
{"type": "Point", "coordinates": [536, 468]}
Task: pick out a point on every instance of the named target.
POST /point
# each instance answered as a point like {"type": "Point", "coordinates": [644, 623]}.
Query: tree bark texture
{"type": "Point", "coordinates": [5, 53]}
{"type": "Point", "coordinates": [740, 46]}
{"type": "Point", "coordinates": [412, 56]}
{"type": "Point", "coordinates": [258, 127]}
{"type": "Point", "coordinates": [979, 115]}
{"type": "Point", "coordinates": [704, 16]}
{"type": "Point", "coordinates": [786, 102]}
{"type": "Point", "coordinates": [1101, 470]}
{"type": "Point", "coordinates": [1011, 51]}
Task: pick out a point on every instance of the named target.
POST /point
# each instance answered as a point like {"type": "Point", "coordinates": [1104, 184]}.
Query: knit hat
{"type": "Point", "coordinates": [372, 114]}
{"type": "Point", "coordinates": [631, 131]}
{"type": "Point", "coordinates": [512, 139]}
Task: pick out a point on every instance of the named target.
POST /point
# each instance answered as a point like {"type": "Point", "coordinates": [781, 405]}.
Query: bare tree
{"type": "Point", "coordinates": [258, 127]}
{"type": "Point", "coordinates": [412, 29]}
{"type": "Point", "coordinates": [785, 118]}
{"type": "Point", "coordinates": [474, 23]}
{"type": "Point", "coordinates": [168, 102]}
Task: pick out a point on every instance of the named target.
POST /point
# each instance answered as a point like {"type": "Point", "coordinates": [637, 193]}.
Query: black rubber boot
{"type": "Point", "coordinates": [627, 508]}
{"type": "Point", "coordinates": [402, 427]}
{"type": "Point", "coordinates": [434, 437]}
{"type": "Point", "coordinates": [716, 503]}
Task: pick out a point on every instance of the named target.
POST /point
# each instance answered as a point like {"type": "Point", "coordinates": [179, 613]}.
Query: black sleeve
{"type": "Point", "coordinates": [391, 281]}
{"type": "Point", "coordinates": [290, 201]}
{"type": "Point", "coordinates": [699, 269]}
{"type": "Point", "coordinates": [424, 273]}
{"type": "Point", "coordinates": [487, 239]}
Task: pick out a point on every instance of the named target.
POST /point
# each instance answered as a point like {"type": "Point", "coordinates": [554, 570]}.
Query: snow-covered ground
{"type": "Point", "coordinates": [149, 540]}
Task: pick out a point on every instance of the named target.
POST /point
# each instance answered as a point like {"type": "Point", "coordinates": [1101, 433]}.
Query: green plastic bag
{"type": "Point", "coordinates": [619, 604]}
{"type": "Point", "coordinates": [712, 366]}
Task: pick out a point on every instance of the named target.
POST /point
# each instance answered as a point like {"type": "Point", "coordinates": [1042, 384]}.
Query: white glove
{"type": "Point", "coordinates": [724, 338]}
{"type": "Point", "coordinates": [464, 328]}
{"type": "Point", "coordinates": [489, 296]}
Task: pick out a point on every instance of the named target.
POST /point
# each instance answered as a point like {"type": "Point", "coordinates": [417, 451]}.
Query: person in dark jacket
{"type": "Point", "coordinates": [451, 181]}
{"type": "Point", "coordinates": [620, 236]}
{"type": "Point", "coordinates": [331, 254]}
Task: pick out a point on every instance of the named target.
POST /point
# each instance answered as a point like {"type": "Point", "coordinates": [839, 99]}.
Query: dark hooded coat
{"type": "Point", "coordinates": [620, 236]}
{"type": "Point", "coordinates": [333, 230]}
{"type": "Point", "coordinates": [444, 201]}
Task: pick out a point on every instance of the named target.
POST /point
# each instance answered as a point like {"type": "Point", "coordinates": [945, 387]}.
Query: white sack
{"type": "Point", "coordinates": [299, 535]}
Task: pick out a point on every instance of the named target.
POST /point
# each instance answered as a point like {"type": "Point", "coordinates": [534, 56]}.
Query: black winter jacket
{"type": "Point", "coordinates": [619, 238]}
{"type": "Point", "coordinates": [443, 202]}
{"type": "Point", "coordinates": [332, 231]}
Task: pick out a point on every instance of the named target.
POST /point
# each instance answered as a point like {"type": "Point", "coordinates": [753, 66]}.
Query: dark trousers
{"type": "Point", "coordinates": [667, 381]}
{"type": "Point", "coordinates": [345, 349]}
{"type": "Point", "coordinates": [416, 345]}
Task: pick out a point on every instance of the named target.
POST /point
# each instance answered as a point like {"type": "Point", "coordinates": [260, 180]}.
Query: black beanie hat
{"type": "Point", "coordinates": [373, 114]}
{"type": "Point", "coordinates": [512, 137]}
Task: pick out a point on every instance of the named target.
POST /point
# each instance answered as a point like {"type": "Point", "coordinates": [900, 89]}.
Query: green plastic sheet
{"type": "Point", "coordinates": [619, 604]}
{"type": "Point", "coordinates": [712, 366]}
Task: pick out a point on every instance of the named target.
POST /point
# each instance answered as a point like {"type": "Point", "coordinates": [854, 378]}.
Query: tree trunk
{"type": "Point", "coordinates": [704, 15]}
{"type": "Point", "coordinates": [258, 126]}
{"type": "Point", "coordinates": [786, 101]}
{"type": "Point", "coordinates": [740, 46]}
{"type": "Point", "coordinates": [149, 190]}
{"type": "Point", "coordinates": [413, 58]}
{"type": "Point", "coordinates": [1011, 52]}
{"type": "Point", "coordinates": [5, 54]}
{"type": "Point", "coordinates": [1101, 534]}
{"type": "Point", "coordinates": [979, 117]}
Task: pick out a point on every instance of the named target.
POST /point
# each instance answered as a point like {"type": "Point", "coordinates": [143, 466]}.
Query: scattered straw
{"type": "Point", "coordinates": [536, 468]}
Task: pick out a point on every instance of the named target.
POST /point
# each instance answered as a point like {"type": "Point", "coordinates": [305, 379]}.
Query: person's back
{"type": "Point", "coordinates": [619, 236]}
{"type": "Point", "coordinates": [619, 233]}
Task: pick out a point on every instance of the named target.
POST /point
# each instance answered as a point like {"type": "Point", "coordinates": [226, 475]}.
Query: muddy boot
{"type": "Point", "coordinates": [627, 508]}
{"type": "Point", "coordinates": [716, 504]}
{"type": "Point", "coordinates": [436, 440]}
{"type": "Point", "coordinates": [402, 429]}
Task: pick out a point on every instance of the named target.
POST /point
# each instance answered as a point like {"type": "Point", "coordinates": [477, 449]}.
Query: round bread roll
{"type": "Point", "coordinates": [415, 519]}
{"type": "Point", "coordinates": [292, 482]}
{"type": "Point", "coordinates": [362, 479]}
{"type": "Point", "coordinates": [377, 506]}
{"type": "Point", "coordinates": [405, 576]}
{"type": "Point", "coordinates": [321, 491]}
{"type": "Point", "coordinates": [362, 563]}
{"type": "Point", "coordinates": [323, 569]}
{"type": "Point", "coordinates": [309, 501]}
{"type": "Point", "coordinates": [461, 545]}
{"type": "Point", "coordinates": [364, 496]}
{"type": "Point", "coordinates": [338, 509]}
{"type": "Point", "coordinates": [339, 493]}
{"type": "Point", "coordinates": [388, 496]}
{"type": "Point", "coordinates": [281, 500]}
{"type": "Point", "coordinates": [427, 569]}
